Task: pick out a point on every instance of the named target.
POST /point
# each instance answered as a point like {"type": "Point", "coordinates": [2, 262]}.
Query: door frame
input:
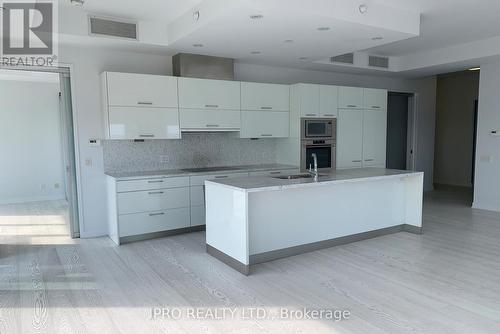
{"type": "Point", "coordinates": [412, 127]}
{"type": "Point", "coordinates": [66, 68]}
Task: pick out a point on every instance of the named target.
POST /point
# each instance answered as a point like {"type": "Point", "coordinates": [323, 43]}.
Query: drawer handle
{"type": "Point", "coordinates": [211, 106]}
{"type": "Point", "coordinates": [330, 115]}
{"type": "Point", "coordinates": [156, 192]}
{"type": "Point", "coordinates": [156, 214]}
{"type": "Point", "coordinates": [273, 173]}
{"type": "Point", "coordinates": [266, 135]}
{"type": "Point", "coordinates": [369, 159]}
{"type": "Point", "coordinates": [310, 114]}
{"type": "Point", "coordinates": [222, 177]}
{"type": "Point", "coordinates": [145, 103]}
{"type": "Point", "coordinates": [155, 181]}
{"type": "Point", "coordinates": [351, 106]}
{"type": "Point", "coordinates": [266, 108]}
{"type": "Point", "coordinates": [146, 136]}
{"type": "Point", "coordinates": [212, 125]}
{"type": "Point", "coordinates": [357, 161]}
{"type": "Point", "coordinates": [376, 107]}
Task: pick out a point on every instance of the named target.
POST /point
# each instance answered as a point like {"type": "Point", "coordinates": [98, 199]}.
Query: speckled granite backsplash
{"type": "Point", "coordinates": [194, 150]}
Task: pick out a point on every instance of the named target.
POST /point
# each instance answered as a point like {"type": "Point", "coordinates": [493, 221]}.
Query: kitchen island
{"type": "Point", "coordinates": [257, 219]}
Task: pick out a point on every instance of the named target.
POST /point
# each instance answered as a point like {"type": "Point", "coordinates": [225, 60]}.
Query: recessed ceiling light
{"type": "Point", "coordinates": [198, 45]}
{"type": "Point", "coordinates": [288, 41]}
{"type": "Point", "coordinates": [196, 15]}
{"type": "Point", "coordinates": [303, 58]}
{"type": "Point", "coordinates": [475, 69]}
{"type": "Point", "coordinates": [363, 9]}
{"type": "Point", "coordinates": [377, 38]}
{"type": "Point", "coordinates": [256, 17]}
{"type": "Point", "coordinates": [323, 28]}
{"type": "Point", "coordinates": [255, 52]}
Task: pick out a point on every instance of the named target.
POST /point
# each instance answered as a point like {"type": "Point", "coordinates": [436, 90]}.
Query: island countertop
{"type": "Point", "coordinates": [263, 183]}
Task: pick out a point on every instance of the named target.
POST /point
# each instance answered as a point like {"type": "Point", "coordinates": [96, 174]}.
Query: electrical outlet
{"type": "Point", "coordinates": [88, 162]}
{"type": "Point", "coordinates": [485, 158]}
{"type": "Point", "coordinates": [164, 159]}
{"type": "Point", "coordinates": [57, 185]}
{"type": "Point", "coordinates": [43, 187]}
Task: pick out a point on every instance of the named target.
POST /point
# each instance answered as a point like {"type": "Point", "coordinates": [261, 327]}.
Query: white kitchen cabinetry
{"type": "Point", "coordinates": [209, 120]}
{"type": "Point", "coordinates": [265, 124]}
{"type": "Point", "coordinates": [351, 98]}
{"type": "Point", "coordinates": [374, 138]}
{"type": "Point", "coordinates": [262, 96]}
{"type": "Point", "coordinates": [209, 94]}
{"type": "Point", "coordinates": [350, 138]}
{"type": "Point", "coordinates": [132, 90]}
{"type": "Point", "coordinates": [328, 101]}
{"type": "Point", "coordinates": [139, 106]}
{"type": "Point", "coordinates": [375, 99]}
{"type": "Point", "coordinates": [139, 209]}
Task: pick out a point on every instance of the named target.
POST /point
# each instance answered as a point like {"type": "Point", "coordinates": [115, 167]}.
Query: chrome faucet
{"type": "Point", "coordinates": [315, 170]}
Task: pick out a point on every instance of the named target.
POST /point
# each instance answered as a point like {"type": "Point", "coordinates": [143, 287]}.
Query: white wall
{"type": "Point", "coordinates": [456, 93]}
{"type": "Point", "coordinates": [487, 176]}
{"type": "Point", "coordinates": [31, 161]}
{"type": "Point", "coordinates": [89, 63]}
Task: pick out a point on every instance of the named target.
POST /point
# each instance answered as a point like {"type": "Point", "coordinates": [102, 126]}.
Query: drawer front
{"type": "Point", "coordinates": [152, 200]}
{"type": "Point", "coordinates": [197, 215]}
{"type": "Point", "coordinates": [149, 222]}
{"type": "Point", "coordinates": [197, 195]}
{"type": "Point", "coordinates": [200, 180]}
{"type": "Point", "coordinates": [152, 183]}
{"type": "Point", "coordinates": [272, 173]}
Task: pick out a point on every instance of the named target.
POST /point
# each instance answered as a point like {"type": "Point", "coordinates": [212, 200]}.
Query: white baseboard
{"type": "Point", "coordinates": [93, 234]}
{"type": "Point", "coordinates": [30, 199]}
{"type": "Point", "coordinates": [485, 207]}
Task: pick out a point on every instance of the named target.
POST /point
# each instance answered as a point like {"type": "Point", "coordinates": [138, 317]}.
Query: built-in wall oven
{"type": "Point", "coordinates": [318, 136]}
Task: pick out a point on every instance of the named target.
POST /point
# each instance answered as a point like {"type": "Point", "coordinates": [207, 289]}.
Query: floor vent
{"type": "Point", "coordinates": [347, 58]}
{"type": "Point", "coordinates": [112, 28]}
{"type": "Point", "coordinates": [375, 61]}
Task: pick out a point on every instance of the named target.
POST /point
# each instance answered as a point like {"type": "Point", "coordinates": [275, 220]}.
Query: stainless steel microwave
{"type": "Point", "coordinates": [318, 128]}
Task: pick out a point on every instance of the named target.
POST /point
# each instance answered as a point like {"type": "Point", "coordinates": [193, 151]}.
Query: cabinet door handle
{"type": "Point", "coordinates": [357, 161]}
{"type": "Point", "coordinates": [221, 177]}
{"type": "Point", "coordinates": [369, 159]}
{"type": "Point", "coordinates": [146, 136]}
{"type": "Point", "coordinates": [145, 103]}
{"type": "Point", "coordinates": [351, 106]}
{"type": "Point", "coordinates": [273, 173]}
{"type": "Point", "coordinates": [375, 107]}
{"type": "Point", "coordinates": [310, 114]}
{"type": "Point", "coordinates": [156, 214]}
{"type": "Point", "coordinates": [156, 192]}
{"type": "Point", "coordinates": [330, 115]}
{"type": "Point", "coordinates": [212, 125]}
{"type": "Point", "coordinates": [211, 106]}
{"type": "Point", "coordinates": [266, 135]}
{"type": "Point", "coordinates": [155, 181]}
{"type": "Point", "coordinates": [266, 108]}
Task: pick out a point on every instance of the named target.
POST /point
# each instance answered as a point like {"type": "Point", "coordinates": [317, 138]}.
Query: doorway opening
{"type": "Point", "coordinates": [401, 131]}
{"type": "Point", "coordinates": [38, 186]}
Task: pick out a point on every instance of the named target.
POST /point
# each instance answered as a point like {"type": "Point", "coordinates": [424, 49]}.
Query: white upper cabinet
{"type": "Point", "coordinates": [209, 94]}
{"type": "Point", "coordinates": [209, 120]}
{"type": "Point", "coordinates": [308, 99]}
{"type": "Point", "coordinates": [375, 99]}
{"type": "Point", "coordinates": [141, 90]}
{"type": "Point", "coordinates": [350, 138]}
{"type": "Point", "coordinates": [264, 124]}
{"type": "Point", "coordinates": [143, 123]}
{"type": "Point", "coordinates": [374, 138]}
{"type": "Point", "coordinates": [328, 101]}
{"type": "Point", "coordinates": [351, 98]}
{"type": "Point", "coordinates": [261, 96]}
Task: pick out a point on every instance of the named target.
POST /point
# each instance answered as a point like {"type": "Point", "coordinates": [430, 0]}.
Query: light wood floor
{"type": "Point", "coordinates": [445, 281]}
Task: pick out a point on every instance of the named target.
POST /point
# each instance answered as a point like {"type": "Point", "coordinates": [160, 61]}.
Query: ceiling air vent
{"type": "Point", "coordinates": [112, 28]}
{"type": "Point", "coordinates": [347, 58]}
{"type": "Point", "coordinates": [375, 61]}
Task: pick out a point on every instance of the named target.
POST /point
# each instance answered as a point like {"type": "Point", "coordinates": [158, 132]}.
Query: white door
{"type": "Point", "coordinates": [328, 101]}
{"type": "Point", "coordinates": [209, 94]}
{"type": "Point", "coordinates": [374, 138]}
{"type": "Point", "coordinates": [209, 120]}
{"type": "Point", "coordinates": [132, 90]}
{"type": "Point", "coordinates": [309, 100]}
{"type": "Point", "coordinates": [143, 123]}
{"type": "Point", "coordinates": [375, 99]}
{"type": "Point", "coordinates": [265, 124]}
{"type": "Point", "coordinates": [350, 138]}
{"type": "Point", "coordinates": [260, 96]}
{"type": "Point", "coordinates": [350, 98]}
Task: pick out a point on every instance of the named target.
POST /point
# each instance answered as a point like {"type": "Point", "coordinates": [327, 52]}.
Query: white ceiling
{"type": "Point", "coordinates": [228, 32]}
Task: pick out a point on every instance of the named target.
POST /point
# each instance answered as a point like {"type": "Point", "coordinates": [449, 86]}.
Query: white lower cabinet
{"type": "Point", "coordinates": [374, 138]}
{"type": "Point", "coordinates": [151, 222]}
{"type": "Point", "coordinates": [265, 124]}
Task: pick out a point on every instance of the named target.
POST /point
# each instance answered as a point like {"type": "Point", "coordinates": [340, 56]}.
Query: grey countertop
{"type": "Point", "coordinates": [197, 171]}
{"type": "Point", "coordinates": [262, 183]}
